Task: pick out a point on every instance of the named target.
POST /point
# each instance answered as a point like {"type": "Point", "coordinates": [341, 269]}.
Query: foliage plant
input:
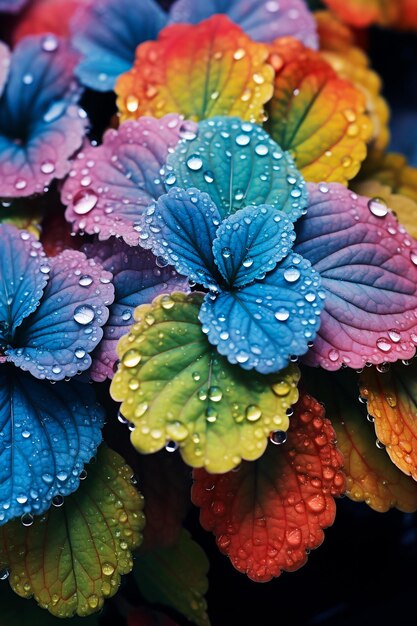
{"type": "Point", "coordinates": [208, 298]}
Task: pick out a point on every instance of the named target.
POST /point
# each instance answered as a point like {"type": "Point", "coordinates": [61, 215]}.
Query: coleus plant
{"type": "Point", "coordinates": [236, 288]}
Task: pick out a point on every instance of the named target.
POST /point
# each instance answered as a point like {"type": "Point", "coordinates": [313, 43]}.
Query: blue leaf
{"type": "Point", "coordinates": [41, 127]}
{"type": "Point", "coordinates": [24, 274]}
{"type": "Point", "coordinates": [250, 243]}
{"type": "Point", "coordinates": [55, 341]}
{"type": "Point", "coordinates": [261, 325]}
{"type": "Point", "coordinates": [263, 20]}
{"type": "Point", "coordinates": [181, 229]}
{"type": "Point", "coordinates": [47, 434]}
{"type": "Point", "coordinates": [237, 164]}
{"type": "Point", "coordinates": [107, 32]}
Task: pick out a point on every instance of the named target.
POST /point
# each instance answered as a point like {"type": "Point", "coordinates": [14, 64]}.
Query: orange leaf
{"type": "Point", "coordinates": [361, 13]}
{"type": "Point", "coordinates": [267, 514]}
{"type": "Point", "coordinates": [371, 477]}
{"type": "Point", "coordinates": [316, 115]}
{"type": "Point", "coordinates": [199, 71]}
{"type": "Point", "coordinates": [337, 46]}
{"type": "Point", "coordinates": [392, 401]}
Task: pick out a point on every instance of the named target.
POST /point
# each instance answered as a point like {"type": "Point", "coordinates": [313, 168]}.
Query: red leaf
{"type": "Point", "coordinates": [269, 513]}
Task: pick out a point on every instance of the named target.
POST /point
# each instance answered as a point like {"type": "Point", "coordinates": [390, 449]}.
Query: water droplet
{"type": "Point", "coordinates": [108, 569]}
{"type": "Point", "coordinates": [49, 43]}
{"type": "Point", "coordinates": [131, 358]}
{"type": "Point", "coordinates": [132, 103]}
{"type": "Point", "coordinates": [413, 256]}
{"type": "Point", "coordinates": [84, 314]}
{"type": "Point", "coordinates": [80, 353]}
{"type": "Point", "coordinates": [48, 478]}
{"type": "Point", "coordinates": [4, 573]}
{"type": "Point", "coordinates": [211, 414]}
{"type": "Point", "coordinates": [278, 437]}
{"type": "Point", "coordinates": [177, 431]}
{"type": "Point", "coordinates": [333, 355]}
{"type": "Point", "coordinates": [378, 207]}
{"type": "Point", "coordinates": [93, 599]}
{"type": "Point", "coordinates": [292, 274]}
{"type": "Point", "coordinates": [27, 79]}
{"type": "Point", "coordinates": [208, 177]}
{"type": "Point", "coordinates": [239, 54]}
{"type": "Point", "coordinates": [226, 253]}
{"type": "Point", "coordinates": [171, 179]}
{"type": "Point", "coordinates": [27, 519]}
{"type": "Point", "coordinates": [188, 131]}
{"type": "Point", "coordinates": [171, 446]}
{"type": "Point", "coordinates": [243, 140]}
{"type": "Point", "coordinates": [215, 394]}
{"type": "Point", "coordinates": [261, 149]}
{"type": "Point", "coordinates": [167, 302]}
{"type": "Point", "coordinates": [20, 184]}
{"type": "Point", "coordinates": [253, 413]}
{"type": "Point", "coordinates": [83, 474]}
{"type": "Point", "coordinates": [195, 163]}
{"type": "Point", "coordinates": [85, 281]}
{"type": "Point", "coordinates": [47, 167]}
{"type": "Point", "coordinates": [84, 202]}
{"type": "Point", "coordinates": [394, 335]}
{"type": "Point", "coordinates": [58, 500]}
{"type": "Point", "coordinates": [282, 315]}
{"type": "Point", "coordinates": [272, 6]}
{"type": "Point", "coordinates": [281, 389]}
{"type": "Point", "coordinates": [383, 344]}
{"type": "Point", "coordinates": [316, 504]}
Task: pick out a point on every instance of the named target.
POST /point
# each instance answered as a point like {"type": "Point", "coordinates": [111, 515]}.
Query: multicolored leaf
{"type": "Point", "coordinates": [176, 576]}
{"type": "Point", "coordinates": [238, 165]}
{"type": "Point", "coordinates": [317, 116]}
{"type": "Point", "coordinates": [72, 558]}
{"type": "Point", "coordinates": [371, 477]}
{"type": "Point", "coordinates": [40, 124]}
{"type": "Point", "coordinates": [267, 515]}
{"type": "Point", "coordinates": [368, 269]}
{"type": "Point", "coordinates": [173, 385]}
{"type": "Point", "coordinates": [199, 71]}
{"type": "Point", "coordinates": [106, 33]}
{"type": "Point", "coordinates": [392, 400]}
{"type": "Point", "coordinates": [262, 20]}
{"type": "Point", "coordinates": [137, 279]}
{"type": "Point", "coordinates": [261, 325]}
{"type": "Point", "coordinates": [111, 185]}
{"type": "Point", "coordinates": [54, 342]}
{"type": "Point", "coordinates": [47, 434]}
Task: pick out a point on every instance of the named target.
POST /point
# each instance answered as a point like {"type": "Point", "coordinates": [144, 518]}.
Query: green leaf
{"type": "Point", "coordinates": [176, 577]}
{"type": "Point", "coordinates": [174, 386]}
{"type": "Point", "coordinates": [17, 611]}
{"type": "Point", "coordinates": [72, 558]}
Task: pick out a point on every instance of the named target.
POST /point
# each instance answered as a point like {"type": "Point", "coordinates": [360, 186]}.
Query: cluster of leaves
{"type": "Point", "coordinates": [226, 262]}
